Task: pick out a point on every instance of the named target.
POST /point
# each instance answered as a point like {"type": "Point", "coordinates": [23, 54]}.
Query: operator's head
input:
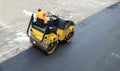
{"type": "Point", "coordinates": [39, 10]}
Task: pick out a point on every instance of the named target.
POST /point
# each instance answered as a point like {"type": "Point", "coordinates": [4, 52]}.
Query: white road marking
{"type": "Point", "coordinates": [71, 16]}
{"type": "Point", "coordinates": [29, 13]}
{"type": "Point", "coordinates": [3, 25]}
{"type": "Point", "coordinates": [19, 38]}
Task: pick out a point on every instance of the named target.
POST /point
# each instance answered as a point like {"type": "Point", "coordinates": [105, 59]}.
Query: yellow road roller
{"type": "Point", "coordinates": [46, 37]}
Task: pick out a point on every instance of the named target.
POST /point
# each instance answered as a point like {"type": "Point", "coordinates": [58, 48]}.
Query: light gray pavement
{"type": "Point", "coordinates": [14, 19]}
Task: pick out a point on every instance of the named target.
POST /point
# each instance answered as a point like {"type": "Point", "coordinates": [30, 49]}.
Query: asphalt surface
{"type": "Point", "coordinates": [95, 47]}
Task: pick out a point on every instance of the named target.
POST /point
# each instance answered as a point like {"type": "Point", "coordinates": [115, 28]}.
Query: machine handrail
{"type": "Point", "coordinates": [31, 21]}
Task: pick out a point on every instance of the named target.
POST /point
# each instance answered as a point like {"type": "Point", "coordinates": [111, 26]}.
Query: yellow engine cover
{"type": "Point", "coordinates": [39, 36]}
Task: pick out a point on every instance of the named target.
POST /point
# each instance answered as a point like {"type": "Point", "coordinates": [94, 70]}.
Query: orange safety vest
{"type": "Point", "coordinates": [41, 15]}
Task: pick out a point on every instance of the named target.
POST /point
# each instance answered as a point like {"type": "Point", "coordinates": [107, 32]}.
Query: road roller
{"type": "Point", "coordinates": [47, 37]}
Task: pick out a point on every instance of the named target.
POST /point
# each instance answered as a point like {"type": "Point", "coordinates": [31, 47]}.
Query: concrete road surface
{"type": "Point", "coordinates": [96, 47]}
